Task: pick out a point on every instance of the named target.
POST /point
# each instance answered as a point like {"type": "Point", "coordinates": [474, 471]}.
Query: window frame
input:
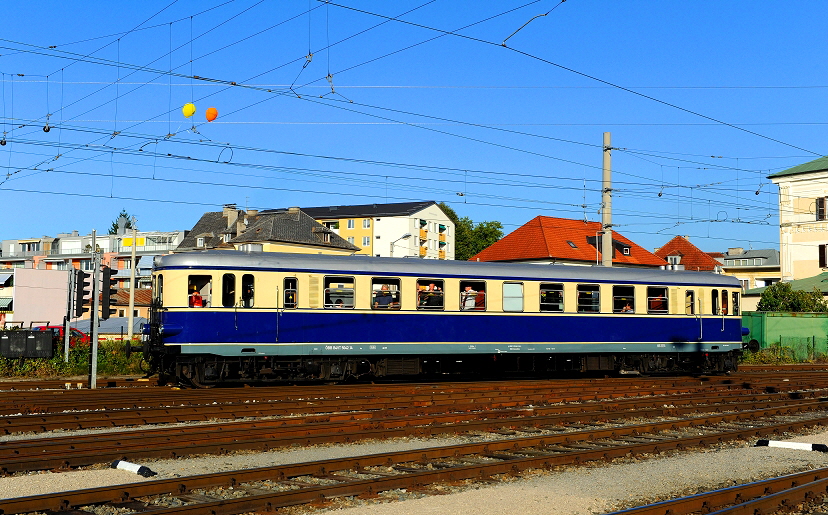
{"type": "Point", "coordinates": [628, 299]}
{"type": "Point", "coordinates": [658, 304]}
{"type": "Point", "coordinates": [691, 294]}
{"type": "Point", "coordinates": [476, 303]}
{"type": "Point", "coordinates": [327, 280]}
{"type": "Point", "coordinates": [228, 290]}
{"type": "Point", "coordinates": [549, 288]}
{"type": "Point", "coordinates": [594, 300]}
{"type": "Point", "coordinates": [248, 297]}
{"type": "Point", "coordinates": [285, 291]}
{"type": "Point", "coordinates": [522, 296]}
{"type": "Point", "coordinates": [351, 223]}
{"type": "Point", "coordinates": [714, 296]}
{"type": "Point", "coordinates": [199, 281]}
{"type": "Point", "coordinates": [424, 295]}
{"type": "Point", "coordinates": [736, 303]}
{"type": "Point", "coordinates": [394, 305]}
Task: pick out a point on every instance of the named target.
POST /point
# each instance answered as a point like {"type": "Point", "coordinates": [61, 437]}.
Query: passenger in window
{"type": "Point", "coordinates": [339, 303]}
{"type": "Point", "coordinates": [384, 299]}
{"type": "Point", "coordinates": [196, 300]}
{"type": "Point", "coordinates": [627, 308]}
{"type": "Point", "coordinates": [432, 296]}
{"type": "Point", "coordinates": [467, 297]}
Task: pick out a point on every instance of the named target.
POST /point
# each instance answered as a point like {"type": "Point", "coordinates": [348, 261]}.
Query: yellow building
{"type": "Point", "coordinates": [403, 229]}
{"type": "Point", "coordinates": [803, 219]}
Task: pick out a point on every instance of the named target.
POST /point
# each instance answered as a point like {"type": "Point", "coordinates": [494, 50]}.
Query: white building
{"type": "Point", "coordinates": [29, 296]}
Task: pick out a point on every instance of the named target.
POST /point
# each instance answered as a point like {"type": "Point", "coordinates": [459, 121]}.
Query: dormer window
{"type": "Point", "coordinates": [571, 244]}
{"type": "Point", "coordinates": [626, 251]}
{"type": "Point", "coordinates": [674, 260]}
{"type": "Point", "coordinates": [199, 242]}
{"type": "Point", "coordinates": [227, 237]}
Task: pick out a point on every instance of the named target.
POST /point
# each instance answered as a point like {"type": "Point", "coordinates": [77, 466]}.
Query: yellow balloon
{"type": "Point", "coordinates": [188, 110]}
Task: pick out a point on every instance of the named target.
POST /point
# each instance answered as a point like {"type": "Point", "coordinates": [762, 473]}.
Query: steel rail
{"type": "Point", "coordinates": [539, 452]}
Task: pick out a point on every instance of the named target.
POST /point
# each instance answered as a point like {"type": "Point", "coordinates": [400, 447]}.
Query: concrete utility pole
{"type": "Point", "coordinates": [93, 345]}
{"type": "Point", "coordinates": [606, 200]}
{"type": "Point", "coordinates": [69, 312]}
{"type": "Point", "coordinates": [132, 282]}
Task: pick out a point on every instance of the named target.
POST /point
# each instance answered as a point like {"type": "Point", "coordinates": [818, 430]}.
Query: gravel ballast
{"type": "Point", "coordinates": [581, 490]}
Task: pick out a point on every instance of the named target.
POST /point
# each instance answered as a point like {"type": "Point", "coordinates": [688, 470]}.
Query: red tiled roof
{"type": "Point", "coordinates": [692, 257]}
{"type": "Point", "coordinates": [143, 297]}
{"type": "Point", "coordinates": [545, 237]}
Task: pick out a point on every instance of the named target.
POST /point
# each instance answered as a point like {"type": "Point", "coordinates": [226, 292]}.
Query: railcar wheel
{"type": "Point", "coordinates": [197, 379]}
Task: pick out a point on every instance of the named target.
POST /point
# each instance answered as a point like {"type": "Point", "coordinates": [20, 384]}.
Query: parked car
{"type": "Point", "coordinates": [75, 335]}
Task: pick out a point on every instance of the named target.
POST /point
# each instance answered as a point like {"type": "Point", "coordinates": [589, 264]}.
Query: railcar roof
{"type": "Point", "coordinates": [344, 265]}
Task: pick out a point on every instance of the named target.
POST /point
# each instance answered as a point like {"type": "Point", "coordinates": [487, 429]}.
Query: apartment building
{"type": "Point", "coordinates": [404, 229]}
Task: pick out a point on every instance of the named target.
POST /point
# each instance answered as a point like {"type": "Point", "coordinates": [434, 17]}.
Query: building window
{"type": "Point", "coordinates": [589, 297]}
{"type": "Point", "coordinates": [571, 244]}
{"type": "Point", "coordinates": [121, 313]}
{"type": "Point", "coordinates": [30, 247]}
{"type": "Point", "coordinates": [626, 251]}
{"type": "Point", "coordinates": [366, 223]}
{"type": "Point", "coordinates": [745, 284]}
{"type": "Point", "coordinates": [351, 224]}
{"type": "Point", "coordinates": [86, 264]}
{"type": "Point", "coordinates": [820, 208]}
{"type": "Point", "coordinates": [623, 299]}
{"type": "Point", "coordinates": [674, 260]}
{"type": "Point", "coordinates": [512, 296]}
{"type": "Point", "coordinates": [822, 256]}
{"type": "Point", "coordinates": [227, 237]}
{"type": "Point", "coordinates": [657, 300]}
{"type": "Point", "coordinates": [351, 240]}
{"type": "Point", "coordinates": [366, 241]}
{"type": "Point", "coordinates": [199, 242]}
{"type": "Point", "coordinates": [61, 265]}
{"type": "Point", "coordinates": [551, 297]}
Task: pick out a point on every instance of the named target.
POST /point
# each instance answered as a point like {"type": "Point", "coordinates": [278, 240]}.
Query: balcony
{"type": "Point", "coordinates": [442, 237]}
{"type": "Point", "coordinates": [442, 254]}
{"type": "Point", "coordinates": [423, 251]}
{"type": "Point", "coordinates": [423, 234]}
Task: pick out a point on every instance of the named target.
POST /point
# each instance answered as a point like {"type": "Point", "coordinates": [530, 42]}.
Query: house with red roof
{"type": "Point", "coordinates": [683, 255]}
{"type": "Point", "coordinates": [563, 241]}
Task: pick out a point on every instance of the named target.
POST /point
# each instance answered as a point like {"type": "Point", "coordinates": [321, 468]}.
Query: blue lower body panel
{"type": "Point", "coordinates": [319, 333]}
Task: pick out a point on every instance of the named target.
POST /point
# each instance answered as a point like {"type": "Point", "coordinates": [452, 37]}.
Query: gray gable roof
{"type": "Point", "coordinates": [210, 226]}
{"type": "Point", "coordinates": [291, 227]}
{"type": "Point", "coordinates": [368, 210]}
{"type": "Point", "coordinates": [771, 256]}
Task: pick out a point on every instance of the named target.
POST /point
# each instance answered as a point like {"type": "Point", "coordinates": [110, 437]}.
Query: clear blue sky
{"type": "Point", "coordinates": [411, 119]}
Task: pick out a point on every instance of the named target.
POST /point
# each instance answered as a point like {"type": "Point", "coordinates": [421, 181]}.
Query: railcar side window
{"type": "Point", "coordinates": [290, 292]}
{"type": "Point", "coordinates": [430, 294]}
{"type": "Point", "coordinates": [551, 297]}
{"type": "Point", "coordinates": [623, 299]}
{"type": "Point", "coordinates": [473, 295]}
{"type": "Point", "coordinates": [339, 292]}
{"type": "Point", "coordinates": [736, 303]}
{"type": "Point", "coordinates": [158, 288]}
{"type": "Point", "coordinates": [724, 302]}
{"type": "Point", "coordinates": [385, 293]}
{"type": "Point", "coordinates": [512, 296]}
{"type": "Point", "coordinates": [247, 290]}
{"type": "Point", "coordinates": [199, 288]}
{"type": "Point", "coordinates": [657, 300]}
{"type": "Point", "coordinates": [715, 304]}
{"type": "Point", "coordinates": [690, 302]}
{"type": "Point", "coordinates": [228, 290]}
{"type": "Point", "coordinates": [589, 297]}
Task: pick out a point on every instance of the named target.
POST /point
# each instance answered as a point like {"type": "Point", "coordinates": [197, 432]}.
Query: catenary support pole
{"type": "Point", "coordinates": [131, 319]}
{"type": "Point", "coordinates": [606, 201]}
{"type": "Point", "coordinates": [93, 345]}
{"type": "Point", "coordinates": [69, 312]}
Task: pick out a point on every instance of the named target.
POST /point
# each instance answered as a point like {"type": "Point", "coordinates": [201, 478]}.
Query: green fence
{"type": "Point", "coordinates": [796, 336]}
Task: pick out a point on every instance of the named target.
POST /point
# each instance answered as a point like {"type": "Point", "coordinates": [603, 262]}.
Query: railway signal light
{"type": "Point", "coordinates": [108, 291]}
{"type": "Point", "coordinates": [83, 287]}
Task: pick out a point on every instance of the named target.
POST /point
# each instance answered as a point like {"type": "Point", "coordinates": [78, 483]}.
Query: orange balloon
{"type": "Point", "coordinates": [211, 114]}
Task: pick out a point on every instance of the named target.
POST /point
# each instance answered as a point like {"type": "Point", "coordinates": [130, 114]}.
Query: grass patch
{"type": "Point", "coordinates": [112, 360]}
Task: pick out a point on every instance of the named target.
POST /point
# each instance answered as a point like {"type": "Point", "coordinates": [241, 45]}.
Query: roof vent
{"type": "Point", "coordinates": [571, 244]}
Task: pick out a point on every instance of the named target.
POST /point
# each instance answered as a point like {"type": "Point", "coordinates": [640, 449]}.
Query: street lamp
{"type": "Point", "coordinates": [403, 237]}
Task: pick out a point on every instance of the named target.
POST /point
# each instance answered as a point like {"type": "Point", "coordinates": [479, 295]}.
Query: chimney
{"type": "Point", "coordinates": [293, 210]}
{"type": "Point", "coordinates": [231, 214]}
{"type": "Point", "coordinates": [686, 237]}
{"type": "Point", "coordinates": [252, 212]}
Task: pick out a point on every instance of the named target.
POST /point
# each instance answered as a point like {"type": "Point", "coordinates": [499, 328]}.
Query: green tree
{"type": "Point", "coordinates": [781, 297]}
{"type": "Point", "coordinates": [469, 239]}
{"type": "Point", "coordinates": [113, 229]}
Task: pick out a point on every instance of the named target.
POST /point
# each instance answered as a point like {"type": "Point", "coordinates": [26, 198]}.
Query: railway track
{"type": "Point", "coordinates": [268, 488]}
{"type": "Point", "coordinates": [514, 426]}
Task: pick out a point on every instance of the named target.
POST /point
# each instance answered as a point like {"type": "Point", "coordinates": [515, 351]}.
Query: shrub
{"type": "Point", "coordinates": [112, 360]}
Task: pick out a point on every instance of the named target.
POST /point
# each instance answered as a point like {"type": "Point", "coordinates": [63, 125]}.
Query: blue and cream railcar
{"type": "Point", "coordinates": [221, 316]}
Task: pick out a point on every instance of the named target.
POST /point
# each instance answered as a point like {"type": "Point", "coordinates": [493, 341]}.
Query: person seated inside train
{"type": "Point", "coordinates": [196, 300]}
{"type": "Point", "coordinates": [467, 298]}
{"type": "Point", "coordinates": [383, 299]}
{"type": "Point", "coordinates": [339, 303]}
{"type": "Point", "coordinates": [627, 308]}
{"type": "Point", "coordinates": [432, 296]}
